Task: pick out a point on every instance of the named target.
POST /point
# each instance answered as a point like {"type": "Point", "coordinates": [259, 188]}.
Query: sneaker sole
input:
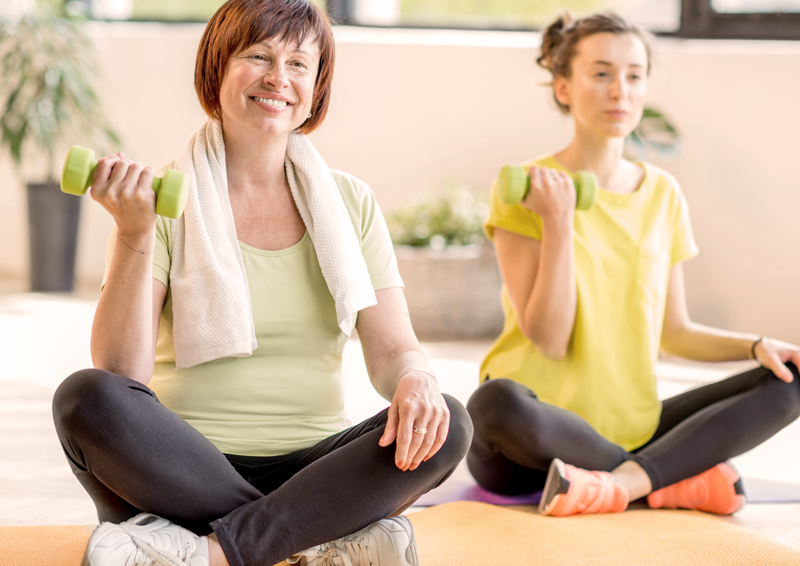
{"type": "Point", "coordinates": [738, 488]}
{"type": "Point", "coordinates": [555, 486]}
{"type": "Point", "coordinates": [85, 559]}
{"type": "Point", "coordinates": [411, 553]}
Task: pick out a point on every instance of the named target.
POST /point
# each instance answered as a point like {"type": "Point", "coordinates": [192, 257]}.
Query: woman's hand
{"type": "Point", "coordinates": [774, 355]}
{"type": "Point", "coordinates": [125, 190]}
{"type": "Point", "coordinates": [552, 195]}
{"type": "Point", "coordinates": [417, 402]}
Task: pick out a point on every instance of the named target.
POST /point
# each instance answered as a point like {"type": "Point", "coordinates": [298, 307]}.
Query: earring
{"type": "Point", "coordinates": [310, 114]}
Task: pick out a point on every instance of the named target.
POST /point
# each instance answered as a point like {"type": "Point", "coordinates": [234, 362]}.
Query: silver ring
{"type": "Point", "coordinates": [420, 429]}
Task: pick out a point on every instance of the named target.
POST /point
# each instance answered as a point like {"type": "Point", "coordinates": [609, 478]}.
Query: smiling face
{"type": "Point", "coordinates": [607, 84]}
{"type": "Point", "coordinates": [268, 87]}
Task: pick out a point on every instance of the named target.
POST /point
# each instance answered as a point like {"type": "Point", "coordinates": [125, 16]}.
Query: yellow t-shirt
{"type": "Point", "coordinates": [624, 247]}
{"type": "Point", "coordinates": [289, 394]}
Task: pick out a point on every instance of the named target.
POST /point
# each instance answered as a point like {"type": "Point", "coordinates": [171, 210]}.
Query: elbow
{"type": "Point", "coordinates": [547, 344]}
{"type": "Point", "coordinates": [140, 373]}
{"type": "Point", "coordinates": [555, 353]}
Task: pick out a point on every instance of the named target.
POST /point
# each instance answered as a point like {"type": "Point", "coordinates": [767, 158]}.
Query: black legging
{"type": "Point", "coordinates": [517, 436]}
{"type": "Point", "coordinates": [132, 454]}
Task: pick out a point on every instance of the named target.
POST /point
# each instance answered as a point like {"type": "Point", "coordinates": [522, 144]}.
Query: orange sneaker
{"type": "Point", "coordinates": [718, 490]}
{"type": "Point", "coordinates": [572, 491]}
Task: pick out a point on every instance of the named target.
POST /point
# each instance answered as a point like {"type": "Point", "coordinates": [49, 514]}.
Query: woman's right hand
{"type": "Point", "coordinates": [125, 189]}
{"type": "Point", "coordinates": [552, 195]}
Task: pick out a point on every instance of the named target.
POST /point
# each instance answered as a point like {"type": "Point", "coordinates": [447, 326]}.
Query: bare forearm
{"type": "Point", "coordinates": [122, 332]}
{"type": "Point", "coordinates": [550, 311]}
{"type": "Point", "coordinates": [386, 373]}
{"type": "Point", "coordinates": [704, 343]}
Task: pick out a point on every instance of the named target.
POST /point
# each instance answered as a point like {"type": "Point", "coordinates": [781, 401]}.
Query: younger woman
{"type": "Point", "coordinates": [569, 390]}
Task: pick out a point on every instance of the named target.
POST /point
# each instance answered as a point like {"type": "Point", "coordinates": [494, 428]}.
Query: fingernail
{"type": "Point", "coordinates": [401, 465]}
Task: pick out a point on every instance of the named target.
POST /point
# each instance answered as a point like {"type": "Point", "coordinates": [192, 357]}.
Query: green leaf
{"type": "Point", "coordinates": [46, 90]}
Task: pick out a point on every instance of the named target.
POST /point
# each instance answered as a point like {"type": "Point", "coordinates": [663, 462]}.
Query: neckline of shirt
{"type": "Point", "coordinates": [613, 196]}
{"type": "Point", "coordinates": [277, 253]}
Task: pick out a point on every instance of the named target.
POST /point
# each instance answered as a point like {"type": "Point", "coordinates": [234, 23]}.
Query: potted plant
{"type": "Point", "coordinates": [655, 132]}
{"type": "Point", "coordinates": [452, 283]}
{"type": "Point", "coordinates": [47, 101]}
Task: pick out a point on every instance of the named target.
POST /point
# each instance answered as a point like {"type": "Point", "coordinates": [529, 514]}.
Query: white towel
{"type": "Point", "coordinates": [212, 315]}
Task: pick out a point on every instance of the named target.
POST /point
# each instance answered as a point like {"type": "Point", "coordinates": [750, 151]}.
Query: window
{"type": "Point", "coordinates": [755, 6]}
{"type": "Point", "coordinates": [657, 15]}
{"type": "Point", "coordinates": [157, 10]}
{"type": "Point", "coordinates": [740, 19]}
{"type": "Point", "coordinates": [746, 19]}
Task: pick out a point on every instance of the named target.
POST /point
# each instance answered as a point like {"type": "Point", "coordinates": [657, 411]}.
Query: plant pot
{"type": "Point", "coordinates": [452, 294]}
{"type": "Point", "coordinates": [53, 224]}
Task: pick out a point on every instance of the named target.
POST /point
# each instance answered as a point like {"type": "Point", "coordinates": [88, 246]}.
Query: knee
{"type": "Point", "coordinates": [459, 435]}
{"type": "Point", "coordinates": [784, 398]}
{"type": "Point", "coordinates": [494, 405]}
{"type": "Point", "coordinates": [85, 399]}
{"type": "Point", "coordinates": [788, 402]}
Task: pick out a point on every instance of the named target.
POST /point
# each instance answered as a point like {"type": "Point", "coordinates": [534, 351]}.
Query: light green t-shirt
{"type": "Point", "coordinates": [289, 394]}
{"type": "Point", "coordinates": [624, 247]}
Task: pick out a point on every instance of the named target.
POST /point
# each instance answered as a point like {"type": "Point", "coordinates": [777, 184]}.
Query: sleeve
{"type": "Point", "coordinates": [161, 253]}
{"type": "Point", "coordinates": [516, 218]}
{"type": "Point", "coordinates": [376, 244]}
{"type": "Point", "coordinates": [684, 246]}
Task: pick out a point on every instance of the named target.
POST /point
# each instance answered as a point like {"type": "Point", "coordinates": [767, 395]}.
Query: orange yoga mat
{"type": "Point", "coordinates": [477, 534]}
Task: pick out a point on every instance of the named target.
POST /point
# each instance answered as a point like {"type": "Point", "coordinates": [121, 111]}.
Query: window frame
{"type": "Point", "coordinates": [698, 20]}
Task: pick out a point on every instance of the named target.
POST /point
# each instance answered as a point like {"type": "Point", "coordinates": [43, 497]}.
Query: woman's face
{"type": "Point", "coordinates": [606, 90]}
{"type": "Point", "coordinates": [269, 86]}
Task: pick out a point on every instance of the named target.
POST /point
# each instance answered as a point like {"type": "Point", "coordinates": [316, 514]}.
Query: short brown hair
{"type": "Point", "coordinates": [238, 24]}
{"type": "Point", "coordinates": [561, 38]}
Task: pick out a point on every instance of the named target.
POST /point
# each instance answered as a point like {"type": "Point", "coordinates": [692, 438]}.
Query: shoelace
{"type": "Point", "coordinates": [159, 556]}
{"type": "Point", "coordinates": [344, 551]}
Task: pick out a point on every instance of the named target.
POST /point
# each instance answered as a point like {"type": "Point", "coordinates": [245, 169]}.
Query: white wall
{"type": "Point", "coordinates": [412, 109]}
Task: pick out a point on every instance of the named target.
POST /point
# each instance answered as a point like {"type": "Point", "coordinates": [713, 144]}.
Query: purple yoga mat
{"type": "Point", "coordinates": [461, 487]}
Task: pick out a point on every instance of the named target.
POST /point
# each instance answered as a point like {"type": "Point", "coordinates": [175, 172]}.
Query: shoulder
{"type": "Point", "coordinates": [350, 186]}
{"type": "Point", "coordinates": [544, 160]}
{"type": "Point", "coordinates": [664, 188]}
{"type": "Point", "coordinates": [357, 196]}
{"type": "Point", "coordinates": [663, 181]}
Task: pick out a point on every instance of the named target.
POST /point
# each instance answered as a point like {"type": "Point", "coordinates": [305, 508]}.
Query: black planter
{"type": "Point", "coordinates": [53, 223]}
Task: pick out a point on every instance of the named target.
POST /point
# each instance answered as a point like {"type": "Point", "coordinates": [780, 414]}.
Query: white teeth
{"type": "Point", "coordinates": [272, 102]}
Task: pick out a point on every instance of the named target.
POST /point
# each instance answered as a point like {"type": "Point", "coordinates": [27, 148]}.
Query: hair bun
{"type": "Point", "coordinates": [567, 18]}
{"type": "Point", "coordinates": [553, 36]}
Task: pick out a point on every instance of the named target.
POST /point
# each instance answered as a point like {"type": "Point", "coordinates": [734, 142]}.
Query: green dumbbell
{"type": "Point", "coordinates": [515, 184]}
{"type": "Point", "coordinates": [171, 191]}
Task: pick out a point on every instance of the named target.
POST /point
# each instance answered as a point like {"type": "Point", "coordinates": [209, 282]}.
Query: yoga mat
{"type": "Point", "coordinates": [768, 491]}
{"type": "Point", "coordinates": [462, 487]}
{"type": "Point", "coordinates": [477, 534]}
{"type": "Point", "coordinates": [43, 546]}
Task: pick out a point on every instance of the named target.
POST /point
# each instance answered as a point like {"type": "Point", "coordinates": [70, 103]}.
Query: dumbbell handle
{"type": "Point", "coordinates": [78, 173]}
{"type": "Point", "coordinates": [514, 185]}
{"type": "Point", "coordinates": [156, 180]}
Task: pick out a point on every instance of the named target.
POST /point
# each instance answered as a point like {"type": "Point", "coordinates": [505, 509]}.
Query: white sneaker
{"type": "Point", "coordinates": [145, 540]}
{"type": "Point", "coordinates": [389, 542]}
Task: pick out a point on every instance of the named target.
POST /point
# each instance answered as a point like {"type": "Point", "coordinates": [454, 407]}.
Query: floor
{"type": "Point", "coordinates": [44, 338]}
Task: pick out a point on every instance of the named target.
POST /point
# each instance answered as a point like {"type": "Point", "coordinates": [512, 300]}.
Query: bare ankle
{"type": "Point", "coordinates": [632, 477]}
{"type": "Point", "coordinates": [216, 557]}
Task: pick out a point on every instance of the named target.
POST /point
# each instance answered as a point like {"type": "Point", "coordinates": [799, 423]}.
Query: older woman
{"type": "Point", "coordinates": [212, 430]}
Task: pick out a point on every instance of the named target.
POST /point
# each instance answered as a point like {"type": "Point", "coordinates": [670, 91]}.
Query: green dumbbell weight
{"type": "Point", "coordinates": [515, 184]}
{"type": "Point", "coordinates": [171, 191]}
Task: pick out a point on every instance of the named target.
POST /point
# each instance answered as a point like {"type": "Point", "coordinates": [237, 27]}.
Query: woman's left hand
{"type": "Point", "coordinates": [418, 418]}
{"type": "Point", "coordinates": [774, 355]}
